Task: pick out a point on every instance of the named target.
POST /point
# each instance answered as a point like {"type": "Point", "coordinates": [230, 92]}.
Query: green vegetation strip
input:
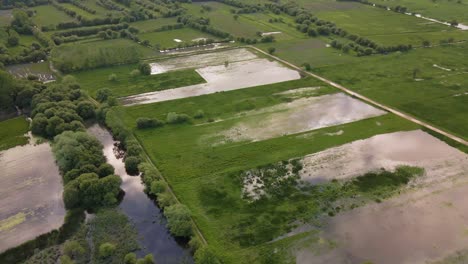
{"type": "Point", "coordinates": [12, 132]}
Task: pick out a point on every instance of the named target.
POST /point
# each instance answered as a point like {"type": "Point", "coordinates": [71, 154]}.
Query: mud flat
{"type": "Point", "coordinates": [414, 148]}
{"type": "Point", "coordinates": [153, 235]}
{"type": "Point", "coordinates": [202, 60]}
{"type": "Point", "coordinates": [237, 75]}
{"type": "Point", "coordinates": [427, 222]}
{"type": "Point", "coordinates": [299, 116]}
{"type": "Point", "coordinates": [30, 194]}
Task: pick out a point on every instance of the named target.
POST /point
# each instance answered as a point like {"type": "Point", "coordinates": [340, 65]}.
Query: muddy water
{"type": "Point", "coordinates": [202, 60]}
{"type": "Point", "coordinates": [30, 194]}
{"type": "Point", "coordinates": [153, 235]}
{"type": "Point", "coordinates": [298, 116]}
{"type": "Point", "coordinates": [219, 78]}
{"type": "Point", "coordinates": [415, 148]}
{"type": "Point", "coordinates": [23, 70]}
{"type": "Point", "coordinates": [427, 222]}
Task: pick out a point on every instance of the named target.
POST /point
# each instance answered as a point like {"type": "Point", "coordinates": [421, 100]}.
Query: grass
{"type": "Point", "coordinates": [390, 28]}
{"type": "Point", "coordinates": [165, 39]}
{"type": "Point", "coordinates": [79, 11]}
{"type": "Point", "coordinates": [48, 15]}
{"type": "Point", "coordinates": [437, 96]}
{"type": "Point", "coordinates": [126, 85]}
{"type": "Point", "coordinates": [152, 24]}
{"type": "Point", "coordinates": [5, 17]}
{"type": "Point", "coordinates": [207, 178]}
{"type": "Point", "coordinates": [442, 10]}
{"type": "Point", "coordinates": [12, 132]}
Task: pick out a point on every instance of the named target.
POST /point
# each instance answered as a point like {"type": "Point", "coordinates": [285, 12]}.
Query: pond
{"type": "Point", "coordinates": [30, 194]}
{"type": "Point", "coordinates": [148, 219]}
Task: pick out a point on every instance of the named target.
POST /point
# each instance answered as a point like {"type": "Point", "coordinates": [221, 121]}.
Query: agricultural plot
{"type": "Point", "coordinates": [174, 38]}
{"type": "Point", "coordinates": [31, 194]}
{"type": "Point", "coordinates": [225, 77]}
{"type": "Point", "coordinates": [125, 84]}
{"type": "Point", "coordinates": [47, 15]}
{"type": "Point", "coordinates": [153, 24]}
{"type": "Point", "coordinates": [441, 10]}
{"type": "Point", "coordinates": [390, 28]}
{"type": "Point", "coordinates": [427, 83]}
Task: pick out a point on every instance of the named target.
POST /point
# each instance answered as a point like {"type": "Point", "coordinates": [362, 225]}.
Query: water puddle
{"type": "Point", "coordinates": [425, 223]}
{"type": "Point", "coordinates": [237, 75]}
{"type": "Point", "coordinates": [30, 194]}
{"type": "Point", "coordinates": [201, 60]}
{"type": "Point", "coordinates": [148, 219]}
{"type": "Point", "coordinates": [414, 148]}
{"type": "Point", "coordinates": [298, 116]}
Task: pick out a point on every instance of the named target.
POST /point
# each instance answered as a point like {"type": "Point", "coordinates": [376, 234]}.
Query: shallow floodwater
{"type": "Point", "coordinates": [148, 219]}
{"type": "Point", "coordinates": [23, 70]}
{"type": "Point", "coordinates": [202, 60]}
{"type": "Point", "coordinates": [299, 116]}
{"type": "Point", "coordinates": [426, 222]}
{"type": "Point", "coordinates": [219, 78]}
{"type": "Point", "coordinates": [414, 148]}
{"type": "Point", "coordinates": [30, 194]}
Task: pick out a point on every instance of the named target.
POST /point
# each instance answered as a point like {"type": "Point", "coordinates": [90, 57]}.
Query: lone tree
{"type": "Point", "coordinates": [145, 68]}
{"type": "Point", "coordinates": [426, 43]}
{"type": "Point", "coordinates": [271, 50]}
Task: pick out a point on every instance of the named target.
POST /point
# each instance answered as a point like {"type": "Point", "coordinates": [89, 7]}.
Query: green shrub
{"type": "Point", "coordinates": [131, 165]}
{"type": "Point", "coordinates": [144, 68]}
{"type": "Point", "coordinates": [206, 256]}
{"type": "Point", "coordinates": [174, 118]}
{"type": "Point", "coordinates": [166, 199]}
{"type": "Point", "coordinates": [144, 122]}
{"type": "Point", "coordinates": [130, 258]}
{"type": "Point", "coordinates": [105, 169]}
{"type": "Point", "coordinates": [112, 77]}
{"type": "Point", "coordinates": [135, 73]}
{"type": "Point", "coordinates": [73, 249]}
{"type": "Point", "coordinates": [199, 114]}
{"type": "Point", "coordinates": [158, 187]}
{"type": "Point", "coordinates": [178, 220]}
{"type": "Point", "coordinates": [103, 94]}
{"type": "Point", "coordinates": [106, 250]}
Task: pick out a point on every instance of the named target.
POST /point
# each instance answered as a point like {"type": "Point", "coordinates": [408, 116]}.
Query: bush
{"type": "Point", "coordinates": [144, 122]}
{"type": "Point", "coordinates": [145, 68]}
{"type": "Point", "coordinates": [174, 118]}
{"type": "Point", "coordinates": [158, 187]}
{"type": "Point", "coordinates": [166, 199]}
{"type": "Point", "coordinates": [131, 165]}
{"type": "Point", "coordinates": [130, 258]}
{"type": "Point", "coordinates": [103, 94]}
{"type": "Point", "coordinates": [199, 114]}
{"type": "Point", "coordinates": [73, 249]}
{"type": "Point", "coordinates": [206, 256]}
{"type": "Point", "coordinates": [106, 250]}
{"type": "Point", "coordinates": [178, 220]}
{"type": "Point", "coordinates": [112, 77]}
{"type": "Point", "coordinates": [271, 50]}
{"type": "Point", "coordinates": [105, 169]}
{"type": "Point", "coordinates": [134, 73]}
{"type": "Point", "coordinates": [85, 109]}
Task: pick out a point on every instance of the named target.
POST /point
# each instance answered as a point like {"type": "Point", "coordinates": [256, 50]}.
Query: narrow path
{"type": "Point", "coordinates": [368, 100]}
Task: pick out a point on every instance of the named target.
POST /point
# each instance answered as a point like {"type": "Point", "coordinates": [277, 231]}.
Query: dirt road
{"type": "Point", "coordinates": [368, 100]}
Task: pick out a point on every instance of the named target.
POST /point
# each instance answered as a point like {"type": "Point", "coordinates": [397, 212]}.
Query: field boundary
{"type": "Point", "coordinates": [367, 100]}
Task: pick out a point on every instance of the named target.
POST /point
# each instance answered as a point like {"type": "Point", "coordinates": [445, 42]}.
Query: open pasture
{"type": "Point", "coordinates": [390, 28]}
{"type": "Point", "coordinates": [153, 24]}
{"type": "Point", "coordinates": [125, 84]}
{"type": "Point", "coordinates": [174, 38]}
{"type": "Point", "coordinates": [444, 10]}
{"type": "Point", "coordinates": [429, 83]}
{"type": "Point", "coordinates": [13, 132]}
{"type": "Point", "coordinates": [47, 15]}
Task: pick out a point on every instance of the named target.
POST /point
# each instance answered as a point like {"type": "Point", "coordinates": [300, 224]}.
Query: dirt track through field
{"type": "Point", "coordinates": [368, 100]}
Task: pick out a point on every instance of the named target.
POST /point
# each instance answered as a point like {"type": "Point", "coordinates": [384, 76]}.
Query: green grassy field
{"type": "Point", "coordinates": [48, 15]}
{"type": "Point", "coordinates": [152, 24]}
{"type": "Point", "coordinates": [165, 39]}
{"type": "Point", "coordinates": [436, 95]}
{"type": "Point", "coordinates": [444, 10]}
{"type": "Point", "coordinates": [390, 28]}
{"type": "Point", "coordinates": [202, 173]}
{"type": "Point", "coordinates": [12, 132]}
{"type": "Point", "coordinates": [79, 11]}
{"type": "Point", "coordinates": [125, 84]}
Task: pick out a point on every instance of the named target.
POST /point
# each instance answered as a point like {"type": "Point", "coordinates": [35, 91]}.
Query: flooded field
{"type": "Point", "coordinates": [5, 17]}
{"type": "Point", "coordinates": [414, 148]}
{"type": "Point", "coordinates": [220, 78]}
{"type": "Point", "coordinates": [30, 194]}
{"type": "Point", "coordinates": [299, 116]}
{"type": "Point", "coordinates": [425, 223]}
{"type": "Point", "coordinates": [41, 70]}
{"type": "Point", "coordinates": [202, 60]}
{"type": "Point", "coordinates": [153, 235]}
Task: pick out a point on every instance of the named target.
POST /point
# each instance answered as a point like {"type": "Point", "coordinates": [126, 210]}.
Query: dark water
{"type": "Point", "coordinates": [148, 219]}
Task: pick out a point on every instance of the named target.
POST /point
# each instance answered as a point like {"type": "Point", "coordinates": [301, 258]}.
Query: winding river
{"type": "Point", "coordinates": [153, 235]}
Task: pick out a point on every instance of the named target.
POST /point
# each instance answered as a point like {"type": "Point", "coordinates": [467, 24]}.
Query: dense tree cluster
{"type": "Point", "coordinates": [81, 154]}
{"type": "Point", "coordinates": [60, 107]}
{"type": "Point", "coordinates": [17, 93]}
